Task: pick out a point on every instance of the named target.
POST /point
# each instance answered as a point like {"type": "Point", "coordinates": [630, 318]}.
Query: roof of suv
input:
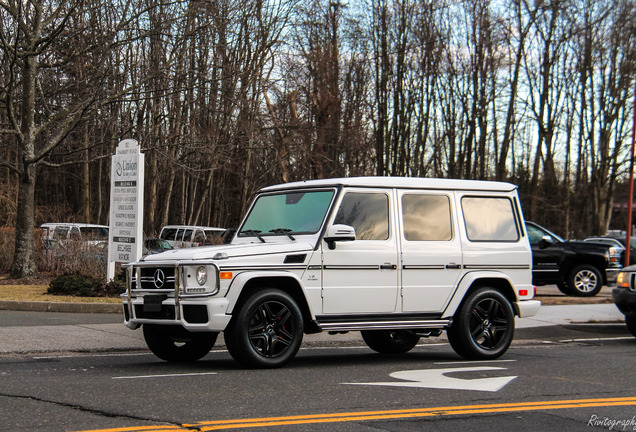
{"type": "Point", "coordinates": [205, 228]}
{"type": "Point", "coordinates": [399, 182]}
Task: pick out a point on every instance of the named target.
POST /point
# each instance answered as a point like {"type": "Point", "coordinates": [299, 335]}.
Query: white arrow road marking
{"type": "Point", "coordinates": [436, 378]}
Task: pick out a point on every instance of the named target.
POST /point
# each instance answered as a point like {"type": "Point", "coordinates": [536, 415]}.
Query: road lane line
{"type": "Point", "coordinates": [383, 415]}
{"type": "Point", "coordinates": [474, 361]}
{"type": "Point", "coordinates": [598, 339]}
{"type": "Point", "coordinates": [164, 375]}
{"type": "Point", "coordinates": [411, 413]}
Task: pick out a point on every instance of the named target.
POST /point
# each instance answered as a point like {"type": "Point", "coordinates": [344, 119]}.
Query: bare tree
{"type": "Point", "coordinates": [37, 40]}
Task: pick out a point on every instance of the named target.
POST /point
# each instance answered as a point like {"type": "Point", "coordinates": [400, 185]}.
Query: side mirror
{"type": "Point", "coordinates": [546, 241]}
{"type": "Point", "coordinates": [336, 233]}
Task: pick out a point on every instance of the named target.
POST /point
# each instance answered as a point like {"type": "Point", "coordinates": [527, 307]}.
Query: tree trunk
{"type": "Point", "coordinates": [86, 181]}
{"type": "Point", "coordinates": [23, 258]}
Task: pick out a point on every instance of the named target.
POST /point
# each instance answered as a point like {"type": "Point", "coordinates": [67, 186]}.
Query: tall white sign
{"type": "Point", "coordinates": [126, 205]}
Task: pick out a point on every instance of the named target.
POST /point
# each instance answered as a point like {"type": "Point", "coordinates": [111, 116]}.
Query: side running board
{"type": "Point", "coordinates": [384, 325]}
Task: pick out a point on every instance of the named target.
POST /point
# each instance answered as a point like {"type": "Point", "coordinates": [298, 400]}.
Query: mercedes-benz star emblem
{"type": "Point", "coordinates": [160, 278]}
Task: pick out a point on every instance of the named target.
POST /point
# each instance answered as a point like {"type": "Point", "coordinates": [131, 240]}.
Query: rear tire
{"type": "Point", "coordinates": [483, 327]}
{"type": "Point", "coordinates": [266, 331]}
{"type": "Point", "coordinates": [630, 322]}
{"type": "Point", "coordinates": [176, 344]}
{"type": "Point", "coordinates": [390, 341]}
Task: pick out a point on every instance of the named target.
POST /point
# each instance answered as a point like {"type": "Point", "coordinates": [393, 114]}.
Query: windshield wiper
{"type": "Point", "coordinates": [285, 231]}
{"type": "Point", "coordinates": [254, 233]}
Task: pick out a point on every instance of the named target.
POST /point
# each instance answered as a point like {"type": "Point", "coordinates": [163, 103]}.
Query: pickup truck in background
{"type": "Point", "coordinates": [577, 268]}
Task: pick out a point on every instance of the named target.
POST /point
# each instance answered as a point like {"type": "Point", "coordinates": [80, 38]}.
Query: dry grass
{"type": "Point", "coordinates": [38, 293]}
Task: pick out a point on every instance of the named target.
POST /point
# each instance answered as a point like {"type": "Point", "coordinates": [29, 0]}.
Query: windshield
{"type": "Point", "coordinates": [288, 213]}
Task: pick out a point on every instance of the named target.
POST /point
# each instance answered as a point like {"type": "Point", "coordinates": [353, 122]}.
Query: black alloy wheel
{"type": "Point", "coordinates": [483, 327]}
{"type": "Point", "coordinates": [267, 330]}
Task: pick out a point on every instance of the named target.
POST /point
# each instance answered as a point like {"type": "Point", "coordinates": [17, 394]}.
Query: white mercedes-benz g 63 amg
{"type": "Point", "coordinates": [393, 258]}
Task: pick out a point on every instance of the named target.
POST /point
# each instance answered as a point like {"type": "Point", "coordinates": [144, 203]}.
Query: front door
{"type": "Point", "coordinates": [361, 276]}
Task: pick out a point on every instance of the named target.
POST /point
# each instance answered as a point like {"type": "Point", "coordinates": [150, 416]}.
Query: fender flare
{"type": "Point", "coordinates": [238, 283]}
{"type": "Point", "coordinates": [465, 285]}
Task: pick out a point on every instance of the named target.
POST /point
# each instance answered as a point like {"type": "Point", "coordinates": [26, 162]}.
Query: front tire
{"type": "Point", "coordinates": [176, 344]}
{"type": "Point", "coordinates": [564, 288]}
{"type": "Point", "coordinates": [630, 322]}
{"type": "Point", "coordinates": [585, 281]}
{"type": "Point", "coordinates": [266, 331]}
{"type": "Point", "coordinates": [483, 327]}
{"type": "Point", "coordinates": [390, 341]}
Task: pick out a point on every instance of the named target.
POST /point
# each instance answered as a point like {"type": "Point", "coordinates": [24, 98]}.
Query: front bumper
{"type": "Point", "coordinates": [625, 300]}
{"type": "Point", "coordinates": [611, 273]}
{"type": "Point", "coordinates": [205, 314]}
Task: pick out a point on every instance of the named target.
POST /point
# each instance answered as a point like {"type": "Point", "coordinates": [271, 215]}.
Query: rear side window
{"type": "Point", "coordinates": [489, 219]}
{"type": "Point", "coordinates": [60, 233]}
{"type": "Point", "coordinates": [94, 233]}
{"type": "Point", "coordinates": [198, 237]}
{"type": "Point", "coordinates": [187, 235]}
{"type": "Point", "coordinates": [168, 233]}
{"type": "Point", "coordinates": [368, 213]}
{"type": "Point", "coordinates": [426, 217]}
{"type": "Point", "coordinates": [75, 233]}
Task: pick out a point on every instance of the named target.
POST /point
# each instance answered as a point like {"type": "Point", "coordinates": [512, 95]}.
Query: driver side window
{"type": "Point", "coordinates": [534, 235]}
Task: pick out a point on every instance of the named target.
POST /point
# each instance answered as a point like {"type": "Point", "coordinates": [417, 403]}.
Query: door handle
{"type": "Point", "coordinates": [453, 266]}
{"type": "Point", "coordinates": [387, 266]}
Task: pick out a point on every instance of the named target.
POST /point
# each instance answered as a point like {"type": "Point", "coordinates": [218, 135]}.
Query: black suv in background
{"type": "Point", "coordinates": [577, 268]}
{"type": "Point", "coordinates": [624, 296]}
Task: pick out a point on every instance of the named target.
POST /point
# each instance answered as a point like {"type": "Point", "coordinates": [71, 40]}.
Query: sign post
{"type": "Point", "coordinates": [125, 240]}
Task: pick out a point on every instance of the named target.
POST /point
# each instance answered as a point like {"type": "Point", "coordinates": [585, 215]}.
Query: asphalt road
{"type": "Point", "coordinates": [566, 377]}
{"type": "Point", "coordinates": [34, 319]}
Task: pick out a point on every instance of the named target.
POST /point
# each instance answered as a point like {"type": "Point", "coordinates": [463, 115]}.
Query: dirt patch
{"type": "Point", "coordinates": [550, 295]}
{"type": "Point", "coordinates": [41, 279]}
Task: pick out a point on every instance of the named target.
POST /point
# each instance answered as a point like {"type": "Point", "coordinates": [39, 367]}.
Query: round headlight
{"type": "Point", "coordinates": [202, 275]}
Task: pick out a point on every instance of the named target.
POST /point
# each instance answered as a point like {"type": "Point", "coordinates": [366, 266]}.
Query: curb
{"type": "Point", "coordinates": [549, 296]}
{"type": "Point", "coordinates": [36, 306]}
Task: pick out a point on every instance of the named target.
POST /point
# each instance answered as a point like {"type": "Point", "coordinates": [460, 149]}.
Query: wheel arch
{"type": "Point", "coordinates": [474, 281]}
{"type": "Point", "coordinates": [597, 262]}
{"type": "Point", "coordinates": [286, 282]}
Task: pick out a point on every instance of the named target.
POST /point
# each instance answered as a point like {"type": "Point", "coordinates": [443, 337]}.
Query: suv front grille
{"type": "Point", "coordinates": [155, 278]}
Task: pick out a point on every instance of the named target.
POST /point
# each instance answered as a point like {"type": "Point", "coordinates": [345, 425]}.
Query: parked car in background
{"type": "Point", "coordinates": [624, 296]}
{"type": "Point", "coordinates": [622, 239]}
{"type": "Point", "coordinates": [154, 245]}
{"type": "Point", "coordinates": [576, 267]}
{"type": "Point", "coordinates": [183, 236]}
{"type": "Point", "coordinates": [54, 232]}
{"type": "Point", "coordinates": [617, 250]}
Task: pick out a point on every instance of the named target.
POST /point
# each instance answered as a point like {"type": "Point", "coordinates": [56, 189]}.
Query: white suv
{"type": "Point", "coordinates": [185, 236]}
{"type": "Point", "coordinates": [394, 258]}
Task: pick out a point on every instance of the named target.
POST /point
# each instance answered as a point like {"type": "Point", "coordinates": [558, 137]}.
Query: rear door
{"type": "Point", "coordinates": [431, 250]}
